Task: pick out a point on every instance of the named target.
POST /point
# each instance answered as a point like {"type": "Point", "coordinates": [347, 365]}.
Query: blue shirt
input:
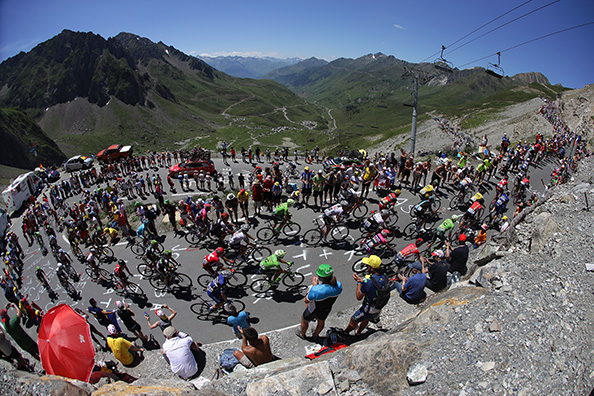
{"type": "Point", "coordinates": [322, 296]}
{"type": "Point", "coordinates": [414, 287]}
{"type": "Point", "coordinates": [369, 289]}
{"type": "Point", "coordinates": [239, 321]}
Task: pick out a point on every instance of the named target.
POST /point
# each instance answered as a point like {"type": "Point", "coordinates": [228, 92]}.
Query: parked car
{"type": "Point", "coordinates": [78, 162]}
{"type": "Point", "coordinates": [114, 152]}
{"type": "Point", "coordinates": [191, 167]}
{"type": "Point", "coordinates": [48, 175]}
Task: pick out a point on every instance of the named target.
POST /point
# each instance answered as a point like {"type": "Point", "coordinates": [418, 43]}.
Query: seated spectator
{"type": "Point", "coordinates": [180, 351]}
{"type": "Point", "coordinates": [412, 289]}
{"type": "Point", "coordinates": [254, 350]}
{"type": "Point", "coordinates": [481, 238]}
{"type": "Point", "coordinates": [436, 269]}
{"type": "Point", "coordinates": [123, 350]}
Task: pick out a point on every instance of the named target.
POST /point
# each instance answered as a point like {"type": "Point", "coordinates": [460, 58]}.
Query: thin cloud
{"type": "Point", "coordinates": [399, 27]}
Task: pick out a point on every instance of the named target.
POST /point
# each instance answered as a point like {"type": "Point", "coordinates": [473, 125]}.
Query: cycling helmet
{"type": "Point", "coordinates": [136, 204]}
{"type": "Point", "coordinates": [154, 243]}
{"type": "Point", "coordinates": [119, 304]}
{"type": "Point", "coordinates": [227, 274]}
{"type": "Point", "coordinates": [290, 202]}
{"type": "Point", "coordinates": [225, 216]}
{"type": "Point", "coordinates": [121, 262]}
{"type": "Point", "coordinates": [455, 217]}
{"type": "Point", "coordinates": [245, 227]}
{"type": "Point", "coordinates": [230, 196]}
{"type": "Point", "coordinates": [38, 268]}
{"type": "Point", "coordinates": [325, 271]}
{"type": "Point", "coordinates": [385, 232]}
{"type": "Point", "coordinates": [385, 213]}
{"type": "Point", "coordinates": [344, 203]}
{"type": "Point", "coordinates": [484, 227]}
{"type": "Point", "coordinates": [280, 253]}
{"type": "Point", "coordinates": [92, 250]}
{"type": "Point", "coordinates": [219, 250]}
{"type": "Point", "coordinates": [61, 251]}
{"type": "Point", "coordinates": [206, 206]}
{"type": "Point", "coordinates": [166, 202]}
{"type": "Point", "coordinates": [397, 192]}
{"type": "Point", "coordinates": [419, 241]}
{"type": "Point", "coordinates": [167, 253]}
{"type": "Point", "coordinates": [59, 265]}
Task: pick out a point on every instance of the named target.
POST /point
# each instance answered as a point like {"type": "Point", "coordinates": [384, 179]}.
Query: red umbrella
{"type": "Point", "coordinates": [65, 344]}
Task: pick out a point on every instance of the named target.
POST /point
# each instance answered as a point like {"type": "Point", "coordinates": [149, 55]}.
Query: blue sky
{"type": "Point", "coordinates": [328, 29]}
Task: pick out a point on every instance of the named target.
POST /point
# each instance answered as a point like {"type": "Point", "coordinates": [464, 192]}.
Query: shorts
{"type": "Point", "coordinates": [133, 327]}
{"type": "Point", "coordinates": [215, 295]}
{"type": "Point", "coordinates": [246, 362]}
{"type": "Point", "coordinates": [306, 191]}
{"type": "Point", "coordinates": [362, 314]}
{"type": "Point", "coordinates": [319, 315]}
{"type": "Point", "coordinates": [317, 193]}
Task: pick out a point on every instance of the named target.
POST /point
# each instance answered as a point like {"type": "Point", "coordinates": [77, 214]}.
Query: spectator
{"type": "Point", "coordinates": [18, 334]}
{"type": "Point", "coordinates": [123, 350]}
{"type": "Point", "coordinates": [104, 317]}
{"type": "Point", "coordinates": [11, 354]}
{"type": "Point", "coordinates": [481, 238]}
{"type": "Point", "coordinates": [458, 257]}
{"type": "Point", "coordinates": [164, 320]}
{"type": "Point", "coordinates": [437, 271]}
{"type": "Point", "coordinates": [93, 329]}
{"type": "Point", "coordinates": [412, 289]}
{"type": "Point", "coordinates": [125, 314]}
{"type": "Point", "coordinates": [254, 350]}
{"type": "Point", "coordinates": [239, 320]}
{"type": "Point", "coordinates": [181, 351]}
{"type": "Point", "coordinates": [367, 291]}
{"type": "Point", "coordinates": [320, 298]}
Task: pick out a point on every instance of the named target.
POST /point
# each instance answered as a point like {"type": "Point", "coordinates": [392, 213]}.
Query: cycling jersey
{"type": "Point", "coordinates": [375, 221]}
{"type": "Point", "coordinates": [422, 207]}
{"type": "Point", "coordinates": [237, 237]}
{"type": "Point", "coordinates": [375, 241]}
{"type": "Point", "coordinates": [334, 211]}
{"type": "Point", "coordinates": [388, 200]}
{"type": "Point", "coordinates": [409, 250]}
{"type": "Point", "coordinates": [212, 258]}
{"type": "Point", "coordinates": [476, 197]}
{"type": "Point", "coordinates": [474, 208]}
{"type": "Point", "coordinates": [447, 225]}
{"type": "Point", "coordinates": [282, 209]}
{"type": "Point", "coordinates": [502, 184]}
{"type": "Point", "coordinates": [216, 284]}
{"type": "Point", "coordinates": [270, 262]}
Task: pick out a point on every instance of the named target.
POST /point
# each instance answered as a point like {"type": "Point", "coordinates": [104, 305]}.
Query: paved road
{"type": "Point", "coordinates": [280, 309]}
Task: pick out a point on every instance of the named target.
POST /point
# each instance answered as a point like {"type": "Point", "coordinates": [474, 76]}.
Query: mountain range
{"type": "Point", "coordinates": [86, 92]}
{"type": "Point", "coordinates": [247, 66]}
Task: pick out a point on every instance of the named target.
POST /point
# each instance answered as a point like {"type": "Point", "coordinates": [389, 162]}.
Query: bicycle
{"type": "Point", "coordinates": [65, 282]}
{"type": "Point", "coordinates": [337, 232]}
{"type": "Point", "coordinates": [254, 252]}
{"type": "Point", "coordinates": [458, 200]}
{"type": "Point", "coordinates": [289, 278]}
{"type": "Point", "coordinates": [358, 209]}
{"type": "Point", "coordinates": [138, 246]}
{"type": "Point", "coordinates": [203, 309]}
{"type": "Point", "coordinates": [238, 279]}
{"type": "Point", "coordinates": [125, 288]}
{"type": "Point", "coordinates": [269, 232]}
{"type": "Point", "coordinates": [76, 250]}
{"type": "Point", "coordinates": [181, 281]}
{"type": "Point", "coordinates": [197, 234]}
{"type": "Point", "coordinates": [97, 274]}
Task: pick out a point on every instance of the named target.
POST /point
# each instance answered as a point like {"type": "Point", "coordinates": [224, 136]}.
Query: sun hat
{"type": "Point", "coordinates": [169, 332]}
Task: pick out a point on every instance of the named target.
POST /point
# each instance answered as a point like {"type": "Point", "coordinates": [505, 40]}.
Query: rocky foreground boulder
{"type": "Point", "coordinates": [521, 324]}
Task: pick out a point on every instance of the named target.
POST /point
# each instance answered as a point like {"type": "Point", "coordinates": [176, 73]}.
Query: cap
{"type": "Point", "coordinates": [325, 271]}
{"type": "Point", "coordinates": [159, 313]}
{"type": "Point", "coordinates": [111, 329]}
{"type": "Point", "coordinates": [307, 168]}
{"type": "Point", "coordinates": [320, 171]}
{"type": "Point", "coordinates": [438, 253]}
{"type": "Point", "coordinates": [504, 218]}
{"type": "Point", "coordinates": [462, 238]}
{"type": "Point", "coordinates": [169, 332]}
{"type": "Point", "coordinates": [119, 304]}
{"type": "Point", "coordinates": [373, 261]}
{"type": "Point", "coordinates": [416, 265]}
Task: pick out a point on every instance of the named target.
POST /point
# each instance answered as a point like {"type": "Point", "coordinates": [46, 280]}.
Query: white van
{"type": "Point", "coordinates": [20, 190]}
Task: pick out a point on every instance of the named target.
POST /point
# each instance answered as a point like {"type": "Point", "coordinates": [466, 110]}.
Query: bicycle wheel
{"type": "Point", "coordinates": [193, 238]}
{"type": "Point", "coordinates": [106, 252]}
{"type": "Point", "coordinates": [360, 211]}
{"type": "Point", "coordinates": [133, 288]}
{"type": "Point", "coordinates": [436, 204]}
{"type": "Point", "coordinates": [104, 275]}
{"type": "Point", "coordinates": [238, 304]}
{"type": "Point", "coordinates": [266, 234]}
{"type": "Point", "coordinates": [260, 286]}
{"type": "Point", "coordinates": [72, 273]}
{"type": "Point", "coordinates": [237, 280]}
{"type": "Point", "coordinates": [410, 230]}
{"type": "Point", "coordinates": [137, 249]}
{"type": "Point", "coordinates": [260, 253]}
{"type": "Point", "coordinates": [359, 244]}
{"type": "Point", "coordinates": [183, 281]}
{"type": "Point", "coordinates": [145, 270]}
{"type": "Point", "coordinates": [158, 283]}
{"type": "Point", "coordinates": [454, 202]}
{"type": "Point", "coordinates": [202, 310]}
{"type": "Point", "coordinates": [204, 280]}
{"type": "Point", "coordinates": [359, 267]}
{"type": "Point", "coordinates": [312, 237]}
{"type": "Point", "coordinates": [339, 233]}
{"type": "Point", "coordinates": [291, 229]}
{"type": "Point", "coordinates": [293, 279]}
{"type": "Point", "coordinates": [91, 274]}
{"type": "Point", "coordinates": [392, 220]}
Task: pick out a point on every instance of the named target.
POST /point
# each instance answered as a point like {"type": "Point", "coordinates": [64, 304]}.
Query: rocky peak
{"type": "Point", "coordinates": [531, 77]}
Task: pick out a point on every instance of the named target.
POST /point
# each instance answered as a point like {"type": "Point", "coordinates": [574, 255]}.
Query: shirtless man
{"type": "Point", "coordinates": [254, 350]}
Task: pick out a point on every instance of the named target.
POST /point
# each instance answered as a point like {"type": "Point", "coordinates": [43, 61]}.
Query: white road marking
{"type": "Point", "coordinates": [350, 253]}
{"type": "Point", "coordinates": [304, 255]}
{"type": "Point", "coordinates": [326, 254]}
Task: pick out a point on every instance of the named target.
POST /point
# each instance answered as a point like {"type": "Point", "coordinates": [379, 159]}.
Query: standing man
{"type": "Point", "coordinates": [126, 315]}
{"type": "Point", "coordinates": [104, 317]}
{"type": "Point", "coordinates": [368, 291]}
{"type": "Point", "coordinates": [319, 300]}
{"type": "Point", "coordinates": [307, 184]}
{"type": "Point", "coordinates": [369, 176]}
{"type": "Point", "coordinates": [20, 336]}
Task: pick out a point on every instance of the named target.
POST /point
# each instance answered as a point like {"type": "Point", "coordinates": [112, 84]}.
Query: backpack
{"type": "Point", "coordinates": [227, 361]}
{"type": "Point", "coordinates": [383, 293]}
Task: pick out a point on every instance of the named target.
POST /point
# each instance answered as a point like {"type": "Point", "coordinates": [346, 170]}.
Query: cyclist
{"type": "Point", "coordinates": [212, 262]}
{"type": "Point", "coordinates": [64, 257]}
{"type": "Point", "coordinates": [501, 203]}
{"type": "Point", "coordinates": [332, 215]}
{"type": "Point", "coordinates": [53, 242]}
{"type": "Point", "coordinates": [501, 186]}
{"type": "Point", "coordinates": [112, 233]}
{"type": "Point", "coordinates": [377, 221]}
{"type": "Point", "coordinates": [151, 254]}
{"type": "Point", "coordinates": [41, 277]}
{"type": "Point", "coordinates": [427, 193]}
{"type": "Point", "coordinates": [216, 289]}
{"type": "Point", "coordinates": [61, 273]}
{"type": "Point", "coordinates": [166, 267]}
{"type": "Point", "coordinates": [422, 211]}
{"type": "Point", "coordinates": [241, 235]}
{"type": "Point", "coordinates": [443, 228]}
{"type": "Point", "coordinates": [390, 199]}
{"type": "Point", "coordinates": [409, 250]}
{"type": "Point", "coordinates": [271, 267]}
{"type": "Point", "coordinates": [222, 227]}
{"type": "Point", "coordinates": [379, 239]}
{"type": "Point", "coordinates": [281, 213]}
{"type": "Point", "coordinates": [471, 214]}
{"type": "Point", "coordinates": [143, 232]}
{"type": "Point", "coordinates": [120, 271]}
